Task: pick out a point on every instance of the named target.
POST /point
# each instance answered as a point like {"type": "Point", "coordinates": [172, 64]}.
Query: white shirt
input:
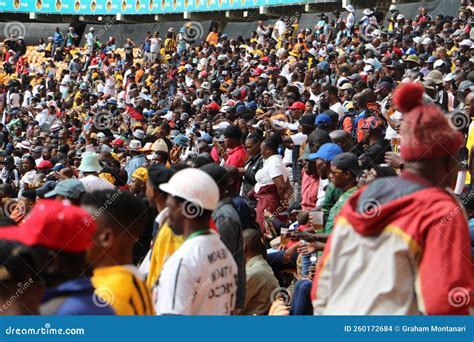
{"type": "Point", "coordinates": [93, 183]}
{"type": "Point", "coordinates": [338, 108]}
{"type": "Point", "coordinates": [321, 191]}
{"type": "Point", "coordinates": [198, 279]}
{"type": "Point", "coordinates": [272, 167]}
{"type": "Point", "coordinates": [154, 45]}
{"type": "Point", "coordinates": [14, 100]}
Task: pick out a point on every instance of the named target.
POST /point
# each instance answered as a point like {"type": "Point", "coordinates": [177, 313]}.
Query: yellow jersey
{"type": "Point", "coordinates": [165, 245]}
{"type": "Point", "coordinates": [123, 287]}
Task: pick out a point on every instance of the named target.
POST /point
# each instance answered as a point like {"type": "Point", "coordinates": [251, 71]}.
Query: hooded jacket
{"type": "Point", "coordinates": [400, 246]}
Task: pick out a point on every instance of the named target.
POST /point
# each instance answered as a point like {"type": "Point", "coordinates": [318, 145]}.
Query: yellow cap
{"type": "Point", "coordinates": [141, 174]}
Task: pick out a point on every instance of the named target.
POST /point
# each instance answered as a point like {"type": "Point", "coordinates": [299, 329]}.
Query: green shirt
{"type": "Point", "coordinates": [330, 198]}
{"type": "Point", "coordinates": [337, 208]}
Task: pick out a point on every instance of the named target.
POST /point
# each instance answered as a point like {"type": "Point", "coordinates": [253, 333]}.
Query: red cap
{"type": "Point", "coordinates": [72, 129]}
{"type": "Point", "coordinates": [45, 164]}
{"type": "Point", "coordinates": [257, 71]}
{"type": "Point", "coordinates": [203, 73]}
{"type": "Point", "coordinates": [55, 225]}
{"type": "Point", "coordinates": [214, 106]}
{"type": "Point", "coordinates": [297, 105]}
{"type": "Point", "coordinates": [265, 59]}
{"type": "Point", "coordinates": [118, 142]}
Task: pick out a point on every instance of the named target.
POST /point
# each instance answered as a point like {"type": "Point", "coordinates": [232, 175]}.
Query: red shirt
{"type": "Point", "coordinates": [237, 157]}
{"type": "Point", "coordinates": [309, 191]}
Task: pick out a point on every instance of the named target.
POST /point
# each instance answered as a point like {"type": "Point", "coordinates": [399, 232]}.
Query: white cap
{"type": "Point", "coordinates": [418, 40]}
{"type": "Point", "coordinates": [438, 63]}
{"type": "Point", "coordinates": [168, 116]}
{"type": "Point", "coordinates": [206, 86]}
{"type": "Point", "coordinates": [222, 125]}
{"type": "Point", "coordinates": [134, 145]}
{"type": "Point", "coordinates": [448, 78]}
{"type": "Point", "coordinates": [427, 41]}
{"type": "Point", "coordinates": [368, 68]}
{"type": "Point", "coordinates": [100, 135]}
{"type": "Point", "coordinates": [400, 17]}
{"type": "Point", "coordinates": [91, 29]}
{"type": "Point", "coordinates": [194, 186]}
{"type": "Point", "coordinates": [392, 8]}
{"type": "Point", "coordinates": [466, 42]}
{"type": "Point", "coordinates": [139, 134]}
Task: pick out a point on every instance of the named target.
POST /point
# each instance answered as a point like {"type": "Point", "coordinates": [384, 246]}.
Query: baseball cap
{"type": "Point", "coordinates": [69, 188]}
{"type": "Point", "coordinates": [383, 86]}
{"type": "Point", "coordinates": [134, 145]}
{"type": "Point", "coordinates": [466, 42]}
{"type": "Point", "coordinates": [195, 186]}
{"type": "Point", "coordinates": [323, 66]}
{"type": "Point", "coordinates": [206, 137]}
{"type": "Point", "coordinates": [57, 225]}
{"type": "Point", "coordinates": [45, 164]}
{"type": "Point", "coordinates": [213, 106]}
{"type": "Point", "coordinates": [139, 134]}
{"type": "Point", "coordinates": [322, 120]}
{"type": "Point", "coordinates": [297, 105]}
{"type": "Point", "coordinates": [326, 152]}
{"type": "Point", "coordinates": [435, 76]}
{"type": "Point", "coordinates": [118, 142]}
{"type": "Point", "coordinates": [233, 132]}
{"type": "Point", "coordinates": [181, 140]}
{"type": "Point", "coordinates": [347, 161]}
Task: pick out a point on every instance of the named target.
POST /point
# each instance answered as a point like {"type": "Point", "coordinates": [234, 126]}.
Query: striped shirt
{"type": "Point", "coordinates": [124, 289]}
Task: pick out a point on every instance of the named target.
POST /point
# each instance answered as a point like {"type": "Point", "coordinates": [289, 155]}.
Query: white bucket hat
{"type": "Point", "coordinates": [195, 186]}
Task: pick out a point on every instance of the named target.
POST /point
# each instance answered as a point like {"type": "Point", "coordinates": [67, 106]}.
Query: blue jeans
{"type": "Point", "coordinates": [275, 260]}
{"type": "Point", "coordinates": [301, 300]}
{"type": "Point", "coordinates": [305, 263]}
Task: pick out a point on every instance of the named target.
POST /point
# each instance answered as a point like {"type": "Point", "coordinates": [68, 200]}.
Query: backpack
{"type": "Point", "coordinates": [349, 114]}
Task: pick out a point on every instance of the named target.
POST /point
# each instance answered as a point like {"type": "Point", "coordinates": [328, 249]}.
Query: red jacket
{"type": "Point", "coordinates": [399, 246]}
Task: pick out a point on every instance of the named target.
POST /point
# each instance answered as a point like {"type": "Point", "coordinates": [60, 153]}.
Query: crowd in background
{"type": "Point", "coordinates": [321, 170]}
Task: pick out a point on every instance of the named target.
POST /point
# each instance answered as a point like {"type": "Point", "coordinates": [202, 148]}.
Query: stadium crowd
{"type": "Point", "coordinates": [322, 170]}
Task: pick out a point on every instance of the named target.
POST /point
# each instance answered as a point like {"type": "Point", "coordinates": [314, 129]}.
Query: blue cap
{"type": "Point", "coordinates": [326, 152]}
{"type": "Point", "coordinates": [323, 66]}
{"type": "Point", "coordinates": [240, 109]}
{"type": "Point", "coordinates": [181, 140]}
{"type": "Point", "coordinates": [206, 137]}
{"type": "Point", "coordinates": [252, 105]}
{"type": "Point", "coordinates": [69, 188]}
{"type": "Point", "coordinates": [431, 59]}
{"type": "Point", "coordinates": [322, 119]}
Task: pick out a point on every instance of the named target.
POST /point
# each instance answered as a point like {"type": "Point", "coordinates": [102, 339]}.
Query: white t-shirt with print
{"type": "Point", "coordinates": [200, 278]}
{"type": "Point", "coordinates": [272, 167]}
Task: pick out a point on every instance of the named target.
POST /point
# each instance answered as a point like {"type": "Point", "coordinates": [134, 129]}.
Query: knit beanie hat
{"type": "Point", "coordinates": [425, 133]}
